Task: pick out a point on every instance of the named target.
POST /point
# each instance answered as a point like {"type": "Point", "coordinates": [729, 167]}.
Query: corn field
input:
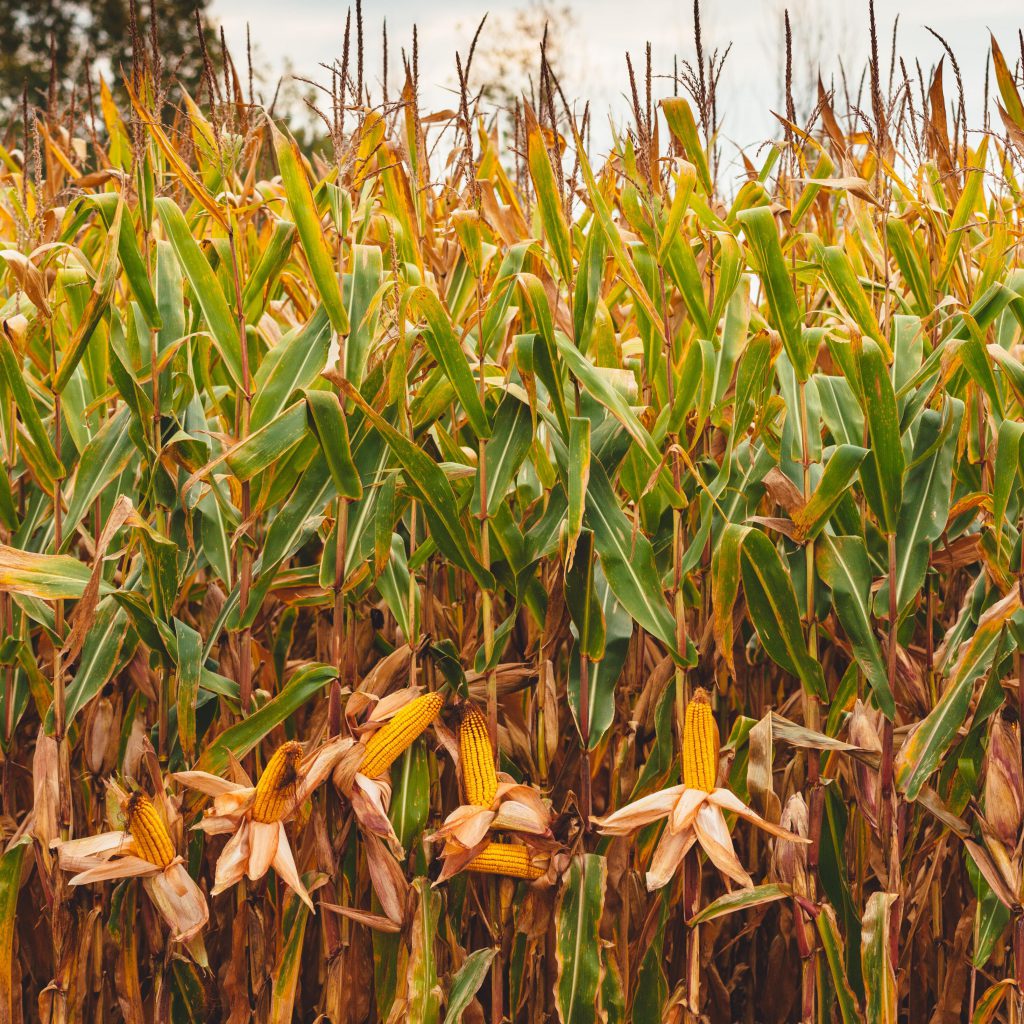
{"type": "Point", "coordinates": [449, 574]}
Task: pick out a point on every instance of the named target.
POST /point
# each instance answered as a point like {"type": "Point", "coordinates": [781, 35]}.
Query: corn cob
{"type": "Point", "coordinates": [700, 744]}
{"type": "Point", "coordinates": [275, 792]}
{"type": "Point", "coordinates": [148, 832]}
{"type": "Point", "coordinates": [481, 781]}
{"type": "Point", "coordinates": [389, 742]}
{"type": "Point", "coordinates": [508, 859]}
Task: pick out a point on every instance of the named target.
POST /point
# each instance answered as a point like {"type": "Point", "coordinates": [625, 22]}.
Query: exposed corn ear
{"type": "Point", "coordinates": [700, 744]}
{"type": "Point", "coordinates": [510, 859]}
{"type": "Point", "coordinates": [148, 832]}
{"type": "Point", "coordinates": [478, 774]}
{"type": "Point", "coordinates": [389, 742]}
{"type": "Point", "coordinates": [275, 792]}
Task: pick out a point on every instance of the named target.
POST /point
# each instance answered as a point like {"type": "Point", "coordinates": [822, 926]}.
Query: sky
{"type": "Point", "coordinates": [303, 34]}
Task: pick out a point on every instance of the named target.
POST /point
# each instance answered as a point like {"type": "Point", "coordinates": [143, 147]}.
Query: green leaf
{"type": "Point", "coordinates": [877, 965]}
{"type": "Point", "coordinates": [652, 986]}
{"type": "Point", "coordinates": [578, 940]}
{"type": "Point", "coordinates": [741, 899]}
{"type": "Point", "coordinates": [773, 611]}
{"type": "Point", "coordinates": [911, 263]}
{"type": "Point", "coordinates": [424, 992]}
{"type": "Point", "coordinates": [444, 346]}
{"type": "Point", "coordinates": [99, 299]}
{"type": "Point", "coordinates": [926, 501]}
{"type": "Point", "coordinates": [311, 235]}
{"type": "Point", "coordinates": [759, 229]}
{"type": "Point", "coordinates": [38, 442]}
{"type": "Point", "coordinates": [849, 294]}
{"type": "Point", "coordinates": [190, 665]}
{"type": "Point", "coordinates": [293, 364]}
{"type": "Point", "coordinates": [682, 125]}
{"type": "Point", "coordinates": [843, 564]}
{"type": "Point", "coordinates": [328, 423]}
{"type": "Point", "coordinates": [684, 179]}
{"type": "Point", "coordinates": [603, 213]}
{"type": "Point", "coordinates": [988, 1005]}
{"type": "Point", "coordinates": [466, 982]}
{"type": "Point", "coordinates": [604, 674]}
{"type": "Point", "coordinates": [130, 257]}
{"type": "Point", "coordinates": [882, 471]}
{"type": "Point", "coordinates": [597, 384]}
{"type": "Point", "coordinates": [289, 962]}
{"type": "Point", "coordinates": [582, 601]}
{"type": "Point", "coordinates": [206, 288]}
{"type": "Point", "coordinates": [364, 287]}
{"type": "Point", "coordinates": [239, 739]}
{"type": "Point", "coordinates": [545, 355]}
{"type": "Point", "coordinates": [990, 917]}
{"type": "Point", "coordinates": [923, 750]}
{"type": "Point", "coordinates": [506, 449]}
{"type": "Point", "coordinates": [966, 205]}
{"type": "Point", "coordinates": [549, 204]}
{"type": "Point", "coordinates": [835, 954]}
{"type": "Point", "coordinates": [11, 865]}
{"type": "Point", "coordinates": [627, 559]}
{"type": "Point", "coordinates": [268, 445]}
{"type": "Point", "coordinates": [264, 275]}
{"type": "Point", "coordinates": [393, 585]}
{"type": "Point", "coordinates": [833, 486]}
{"type": "Point", "coordinates": [1006, 474]}
{"type": "Point", "coordinates": [49, 577]}
{"type": "Point", "coordinates": [725, 587]}
{"type": "Point", "coordinates": [103, 460]}
{"type": "Point", "coordinates": [427, 481]}
{"type": "Point", "coordinates": [577, 477]}
{"type": "Point", "coordinates": [100, 654]}
{"type": "Point", "coordinates": [410, 804]}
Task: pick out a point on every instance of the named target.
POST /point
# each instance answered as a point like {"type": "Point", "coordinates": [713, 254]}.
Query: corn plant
{"type": "Point", "coordinates": [444, 576]}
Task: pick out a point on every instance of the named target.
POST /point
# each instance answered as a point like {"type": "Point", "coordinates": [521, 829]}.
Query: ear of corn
{"type": "Point", "coordinates": [700, 744]}
{"type": "Point", "coordinates": [275, 790]}
{"type": "Point", "coordinates": [478, 774]}
{"type": "Point", "coordinates": [393, 738]}
{"type": "Point", "coordinates": [148, 831]}
{"type": "Point", "coordinates": [510, 859]}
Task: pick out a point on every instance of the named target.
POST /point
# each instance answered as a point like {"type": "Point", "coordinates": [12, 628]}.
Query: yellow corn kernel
{"type": "Point", "coordinates": [148, 832]}
{"type": "Point", "coordinates": [478, 772]}
{"type": "Point", "coordinates": [700, 744]}
{"type": "Point", "coordinates": [393, 738]}
{"type": "Point", "coordinates": [275, 792]}
{"type": "Point", "coordinates": [510, 859]}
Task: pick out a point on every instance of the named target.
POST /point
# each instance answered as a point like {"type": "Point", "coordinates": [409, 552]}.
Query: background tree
{"type": "Point", "coordinates": [44, 39]}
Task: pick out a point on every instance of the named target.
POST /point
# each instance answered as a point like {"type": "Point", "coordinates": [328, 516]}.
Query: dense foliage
{"type": "Point", "coordinates": [570, 448]}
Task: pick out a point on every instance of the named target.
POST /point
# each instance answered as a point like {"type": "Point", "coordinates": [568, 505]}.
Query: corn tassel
{"type": "Point", "coordinates": [275, 792]}
{"type": "Point", "coordinates": [148, 832]}
{"type": "Point", "coordinates": [478, 774]}
{"type": "Point", "coordinates": [700, 744]}
{"type": "Point", "coordinates": [389, 742]}
{"type": "Point", "coordinates": [508, 859]}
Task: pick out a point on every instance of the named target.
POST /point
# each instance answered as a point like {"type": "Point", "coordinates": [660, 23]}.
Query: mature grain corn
{"type": "Point", "coordinates": [389, 742]}
{"type": "Point", "coordinates": [509, 859]}
{"type": "Point", "coordinates": [478, 772]}
{"type": "Point", "coordinates": [700, 744]}
{"type": "Point", "coordinates": [148, 831]}
{"type": "Point", "coordinates": [275, 792]}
